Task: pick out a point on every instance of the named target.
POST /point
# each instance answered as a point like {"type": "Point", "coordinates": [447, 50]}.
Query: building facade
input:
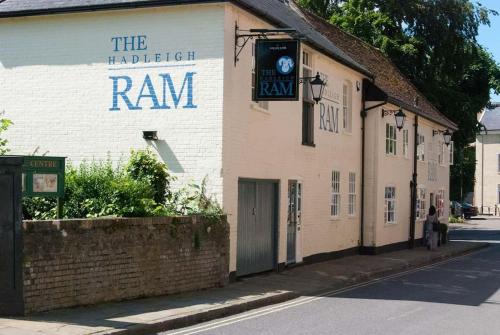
{"type": "Point", "coordinates": [299, 180]}
{"type": "Point", "coordinates": [487, 186]}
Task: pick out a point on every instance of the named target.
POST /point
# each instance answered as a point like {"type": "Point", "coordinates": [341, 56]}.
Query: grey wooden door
{"type": "Point", "coordinates": [10, 236]}
{"type": "Point", "coordinates": [257, 214]}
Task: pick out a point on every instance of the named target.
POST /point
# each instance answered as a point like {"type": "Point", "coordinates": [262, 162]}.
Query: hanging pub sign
{"type": "Point", "coordinates": [276, 70]}
{"type": "Point", "coordinates": [43, 176]}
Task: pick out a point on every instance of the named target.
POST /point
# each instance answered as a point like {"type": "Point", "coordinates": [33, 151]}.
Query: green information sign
{"type": "Point", "coordinates": [43, 176]}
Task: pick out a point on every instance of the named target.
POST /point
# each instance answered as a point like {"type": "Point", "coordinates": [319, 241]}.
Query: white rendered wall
{"type": "Point", "coordinates": [56, 87]}
{"type": "Point", "coordinates": [384, 170]}
{"type": "Point", "coordinates": [268, 145]}
{"type": "Point", "coordinates": [487, 173]}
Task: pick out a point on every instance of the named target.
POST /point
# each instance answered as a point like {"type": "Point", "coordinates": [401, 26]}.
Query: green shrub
{"type": "Point", "coordinates": [144, 165]}
{"type": "Point", "coordinates": [95, 189]}
{"type": "Point", "coordinates": [455, 219]}
{"type": "Point", "coordinates": [39, 208]}
{"type": "Point", "coordinates": [193, 199]}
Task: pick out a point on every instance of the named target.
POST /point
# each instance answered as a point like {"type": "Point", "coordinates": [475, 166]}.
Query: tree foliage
{"type": "Point", "coordinates": [433, 42]}
{"type": "Point", "coordinates": [4, 125]}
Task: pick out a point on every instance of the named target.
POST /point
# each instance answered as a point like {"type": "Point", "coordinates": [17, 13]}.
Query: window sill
{"type": "Point", "coordinates": [348, 133]}
{"type": "Point", "coordinates": [335, 218]}
{"type": "Point", "coordinates": [390, 224]}
{"type": "Point", "coordinates": [312, 145]}
{"type": "Point", "coordinates": [391, 155]}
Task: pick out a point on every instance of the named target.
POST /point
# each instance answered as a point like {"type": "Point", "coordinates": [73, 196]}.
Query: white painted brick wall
{"type": "Point", "coordinates": [55, 87]}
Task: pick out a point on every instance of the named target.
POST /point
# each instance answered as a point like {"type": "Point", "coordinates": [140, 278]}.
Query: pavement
{"type": "Point", "coordinates": [456, 296]}
{"type": "Point", "coordinates": [147, 316]}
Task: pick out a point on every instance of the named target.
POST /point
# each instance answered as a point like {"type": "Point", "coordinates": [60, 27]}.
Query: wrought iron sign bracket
{"type": "Point", "coordinates": [241, 37]}
{"type": "Point", "coordinates": [387, 112]}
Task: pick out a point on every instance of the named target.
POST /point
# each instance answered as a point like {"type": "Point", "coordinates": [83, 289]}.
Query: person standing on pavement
{"type": "Point", "coordinates": [431, 229]}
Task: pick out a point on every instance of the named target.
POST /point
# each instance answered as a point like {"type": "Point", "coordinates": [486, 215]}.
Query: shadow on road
{"type": "Point", "coordinates": [470, 281]}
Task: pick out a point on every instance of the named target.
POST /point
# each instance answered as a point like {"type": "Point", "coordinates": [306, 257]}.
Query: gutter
{"type": "Point", "coordinates": [413, 187]}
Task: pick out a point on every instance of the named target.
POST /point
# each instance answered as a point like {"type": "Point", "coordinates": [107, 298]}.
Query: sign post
{"type": "Point", "coordinates": [277, 70]}
{"type": "Point", "coordinates": [44, 177]}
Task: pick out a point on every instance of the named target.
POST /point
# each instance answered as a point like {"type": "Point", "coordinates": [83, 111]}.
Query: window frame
{"type": "Point", "coordinates": [406, 143]}
{"type": "Point", "coordinates": [307, 102]}
{"type": "Point", "coordinates": [390, 140]}
{"type": "Point", "coordinates": [335, 198]}
{"type": "Point", "coordinates": [440, 201]}
{"type": "Point", "coordinates": [420, 148]}
{"type": "Point", "coordinates": [387, 201]}
{"type": "Point", "coordinates": [421, 203]}
{"type": "Point", "coordinates": [351, 206]}
{"type": "Point", "coordinates": [347, 106]}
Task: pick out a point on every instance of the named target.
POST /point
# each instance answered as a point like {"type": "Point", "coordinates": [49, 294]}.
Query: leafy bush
{"type": "Point", "coordinates": [455, 219]}
{"type": "Point", "coordinates": [99, 189]}
{"type": "Point", "coordinates": [39, 208]}
{"type": "Point", "coordinates": [193, 199]}
{"type": "Point", "coordinates": [96, 189]}
{"type": "Point", "coordinates": [143, 165]}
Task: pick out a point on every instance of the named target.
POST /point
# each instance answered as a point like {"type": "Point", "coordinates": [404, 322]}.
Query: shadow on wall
{"type": "Point", "coordinates": [168, 156]}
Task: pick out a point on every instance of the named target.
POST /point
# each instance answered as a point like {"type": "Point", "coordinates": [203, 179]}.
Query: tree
{"type": "Point", "coordinates": [4, 124]}
{"type": "Point", "coordinates": [432, 42]}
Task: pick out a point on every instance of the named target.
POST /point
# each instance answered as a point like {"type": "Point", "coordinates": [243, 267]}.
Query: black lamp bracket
{"type": "Point", "coordinates": [304, 79]}
{"type": "Point", "coordinates": [241, 37]}
{"type": "Point", "coordinates": [387, 112]}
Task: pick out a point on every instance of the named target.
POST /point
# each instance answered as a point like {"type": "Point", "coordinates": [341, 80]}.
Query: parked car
{"type": "Point", "coordinates": [468, 210]}
{"type": "Point", "coordinates": [455, 208]}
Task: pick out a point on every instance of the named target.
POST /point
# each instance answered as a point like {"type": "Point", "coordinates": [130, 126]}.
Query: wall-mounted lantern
{"type": "Point", "coordinates": [446, 135]}
{"type": "Point", "coordinates": [399, 115]}
{"type": "Point", "coordinates": [317, 86]}
{"type": "Point", "coordinates": [150, 135]}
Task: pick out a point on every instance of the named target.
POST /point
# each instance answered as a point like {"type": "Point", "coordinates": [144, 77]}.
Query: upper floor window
{"type": "Point", "coordinates": [405, 143]}
{"type": "Point", "coordinates": [451, 147]}
{"type": "Point", "coordinates": [260, 104]}
{"type": "Point", "coordinates": [347, 106]}
{"type": "Point", "coordinates": [390, 139]}
{"type": "Point", "coordinates": [335, 200]}
{"type": "Point", "coordinates": [421, 147]}
{"type": "Point", "coordinates": [431, 170]}
{"type": "Point", "coordinates": [441, 146]}
{"type": "Point", "coordinates": [307, 103]}
{"type": "Point", "coordinates": [390, 205]}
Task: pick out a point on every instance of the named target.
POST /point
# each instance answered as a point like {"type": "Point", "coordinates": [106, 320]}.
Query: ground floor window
{"type": "Point", "coordinates": [421, 203]}
{"type": "Point", "coordinates": [352, 193]}
{"type": "Point", "coordinates": [390, 205]}
{"type": "Point", "coordinates": [440, 203]}
{"type": "Point", "coordinates": [335, 201]}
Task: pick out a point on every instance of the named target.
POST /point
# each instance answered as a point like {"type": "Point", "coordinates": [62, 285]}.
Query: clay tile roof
{"type": "Point", "coordinates": [387, 76]}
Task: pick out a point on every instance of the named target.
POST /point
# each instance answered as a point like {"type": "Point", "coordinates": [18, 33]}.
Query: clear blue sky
{"type": "Point", "coordinates": [489, 37]}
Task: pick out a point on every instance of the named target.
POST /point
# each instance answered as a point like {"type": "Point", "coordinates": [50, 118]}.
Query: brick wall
{"type": "Point", "coordinates": [80, 262]}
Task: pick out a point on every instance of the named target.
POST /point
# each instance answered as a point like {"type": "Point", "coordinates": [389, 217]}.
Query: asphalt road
{"type": "Point", "coordinates": [459, 296]}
